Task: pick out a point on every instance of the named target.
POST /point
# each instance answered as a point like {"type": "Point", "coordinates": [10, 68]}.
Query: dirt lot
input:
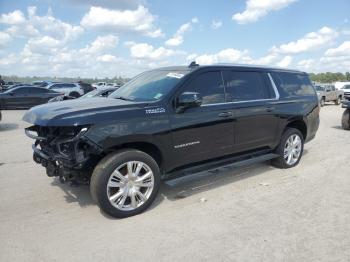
{"type": "Point", "coordinates": [255, 213]}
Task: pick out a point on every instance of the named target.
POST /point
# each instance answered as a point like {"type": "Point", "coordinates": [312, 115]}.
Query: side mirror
{"type": "Point", "coordinates": [188, 100]}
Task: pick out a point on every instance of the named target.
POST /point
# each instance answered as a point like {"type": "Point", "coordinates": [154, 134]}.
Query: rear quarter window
{"type": "Point", "coordinates": [293, 84]}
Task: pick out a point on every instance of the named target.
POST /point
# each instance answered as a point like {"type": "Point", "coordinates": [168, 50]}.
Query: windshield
{"type": "Point", "coordinates": [319, 88]}
{"type": "Point", "coordinates": [91, 94]}
{"type": "Point", "coordinates": [149, 86]}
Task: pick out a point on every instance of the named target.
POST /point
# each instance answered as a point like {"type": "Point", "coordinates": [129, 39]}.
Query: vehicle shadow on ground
{"type": "Point", "coordinates": [75, 194]}
{"type": "Point", "coordinates": [338, 127]}
{"type": "Point", "coordinates": [176, 189]}
{"type": "Point", "coordinates": [8, 126]}
{"type": "Point", "coordinates": [194, 184]}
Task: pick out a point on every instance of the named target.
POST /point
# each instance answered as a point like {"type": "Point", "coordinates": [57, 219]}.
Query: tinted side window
{"type": "Point", "coordinates": [210, 86]}
{"type": "Point", "coordinates": [246, 86]}
{"type": "Point", "coordinates": [34, 90]}
{"type": "Point", "coordinates": [293, 84]}
{"type": "Point", "coordinates": [21, 91]}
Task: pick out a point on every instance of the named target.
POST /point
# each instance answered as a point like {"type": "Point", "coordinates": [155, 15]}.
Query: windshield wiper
{"type": "Point", "coordinates": [123, 98]}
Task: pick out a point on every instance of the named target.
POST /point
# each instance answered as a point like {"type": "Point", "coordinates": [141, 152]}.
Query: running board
{"type": "Point", "coordinates": [233, 162]}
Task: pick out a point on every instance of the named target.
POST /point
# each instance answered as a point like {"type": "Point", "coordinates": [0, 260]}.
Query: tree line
{"type": "Point", "coordinates": [330, 77]}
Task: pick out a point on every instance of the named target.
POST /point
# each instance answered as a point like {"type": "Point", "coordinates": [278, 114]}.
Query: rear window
{"type": "Point", "coordinates": [293, 84]}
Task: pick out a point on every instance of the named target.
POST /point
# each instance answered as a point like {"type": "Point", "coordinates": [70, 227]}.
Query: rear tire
{"type": "Point", "coordinates": [323, 101]}
{"type": "Point", "coordinates": [337, 102]}
{"type": "Point", "coordinates": [74, 94]}
{"type": "Point", "coordinates": [290, 149]}
{"type": "Point", "coordinates": [345, 121]}
{"type": "Point", "coordinates": [125, 183]}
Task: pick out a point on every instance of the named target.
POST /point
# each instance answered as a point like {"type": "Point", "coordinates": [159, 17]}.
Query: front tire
{"type": "Point", "coordinates": [345, 121]}
{"type": "Point", "coordinates": [290, 149]}
{"type": "Point", "coordinates": [323, 101]}
{"type": "Point", "coordinates": [125, 183]}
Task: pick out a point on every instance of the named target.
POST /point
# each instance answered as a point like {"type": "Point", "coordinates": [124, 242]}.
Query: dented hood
{"type": "Point", "coordinates": [82, 111]}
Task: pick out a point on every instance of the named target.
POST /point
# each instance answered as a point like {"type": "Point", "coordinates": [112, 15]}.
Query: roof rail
{"type": "Point", "coordinates": [193, 64]}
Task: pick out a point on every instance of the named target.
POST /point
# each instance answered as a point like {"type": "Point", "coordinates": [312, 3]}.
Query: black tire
{"type": "Point", "coordinates": [323, 101]}
{"type": "Point", "coordinates": [74, 94]}
{"type": "Point", "coordinates": [280, 161]}
{"type": "Point", "coordinates": [337, 102]}
{"type": "Point", "coordinates": [103, 172]}
{"type": "Point", "coordinates": [345, 120]}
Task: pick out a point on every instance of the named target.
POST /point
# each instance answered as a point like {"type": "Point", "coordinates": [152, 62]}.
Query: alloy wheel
{"type": "Point", "coordinates": [130, 185]}
{"type": "Point", "coordinates": [292, 149]}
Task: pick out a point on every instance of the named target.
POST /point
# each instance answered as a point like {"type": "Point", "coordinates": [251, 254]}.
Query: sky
{"type": "Point", "coordinates": [107, 38]}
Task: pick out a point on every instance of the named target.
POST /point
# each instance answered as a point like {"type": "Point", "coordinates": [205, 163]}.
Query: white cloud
{"type": "Point", "coordinates": [14, 18]}
{"type": "Point", "coordinates": [102, 43]}
{"type": "Point", "coordinates": [342, 50]}
{"type": "Point", "coordinates": [139, 20]}
{"type": "Point", "coordinates": [337, 58]}
{"type": "Point", "coordinates": [285, 62]}
{"type": "Point", "coordinates": [5, 39]}
{"type": "Point", "coordinates": [40, 26]}
{"type": "Point", "coordinates": [146, 51]}
{"type": "Point", "coordinates": [255, 9]}
{"type": "Point", "coordinates": [306, 64]}
{"type": "Point", "coordinates": [178, 38]}
{"type": "Point", "coordinates": [215, 24]}
{"type": "Point", "coordinates": [107, 58]}
{"type": "Point", "coordinates": [229, 55]}
{"type": "Point", "coordinates": [309, 42]}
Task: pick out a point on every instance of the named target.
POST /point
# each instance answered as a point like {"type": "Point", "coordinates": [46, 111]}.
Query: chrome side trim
{"type": "Point", "coordinates": [274, 86]}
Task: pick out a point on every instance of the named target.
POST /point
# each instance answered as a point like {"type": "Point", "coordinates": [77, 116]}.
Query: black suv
{"type": "Point", "coordinates": [170, 122]}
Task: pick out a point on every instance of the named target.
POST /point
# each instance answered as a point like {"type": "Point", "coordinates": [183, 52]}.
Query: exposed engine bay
{"type": "Point", "coordinates": [64, 151]}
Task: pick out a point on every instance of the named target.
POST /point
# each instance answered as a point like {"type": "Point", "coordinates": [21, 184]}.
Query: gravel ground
{"type": "Point", "coordinates": [255, 213]}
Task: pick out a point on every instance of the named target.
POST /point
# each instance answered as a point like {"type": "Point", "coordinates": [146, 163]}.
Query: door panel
{"type": "Point", "coordinates": [201, 133]}
{"type": "Point", "coordinates": [206, 131]}
{"type": "Point", "coordinates": [255, 126]}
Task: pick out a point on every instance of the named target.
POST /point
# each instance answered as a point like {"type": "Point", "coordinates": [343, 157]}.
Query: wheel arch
{"type": "Point", "coordinates": [145, 146]}
{"type": "Point", "coordinates": [300, 125]}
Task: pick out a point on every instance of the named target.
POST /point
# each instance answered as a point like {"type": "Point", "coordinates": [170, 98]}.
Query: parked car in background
{"type": "Point", "coordinates": [69, 89]}
{"type": "Point", "coordinates": [340, 85]}
{"type": "Point", "coordinates": [17, 85]}
{"type": "Point", "coordinates": [25, 97]}
{"type": "Point", "coordinates": [43, 83]}
{"type": "Point", "coordinates": [86, 87]}
{"type": "Point", "coordinates": [170, 122]}
{"type": "Point", "coordinates": [329, 93]}
{"type": "Point", "coordinates": [345, 121]}
{"type": "Point", "coordinates": [346, 90]}
{"type": "Point", "coordinates": [99, 85]}
{"type": "Point", "coordinates": [94, 93]}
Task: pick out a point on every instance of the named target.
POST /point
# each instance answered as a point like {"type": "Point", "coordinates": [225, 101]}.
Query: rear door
{"type": "Point", "coordinates": [252, 98]}
{"type": "Point", "coordinates": [203, 132]}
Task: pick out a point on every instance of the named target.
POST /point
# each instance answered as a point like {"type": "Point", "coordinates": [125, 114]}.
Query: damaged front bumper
{"type": "Point", "coordinates": [64, 151]}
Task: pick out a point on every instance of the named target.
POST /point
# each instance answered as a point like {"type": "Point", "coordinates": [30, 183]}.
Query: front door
{"type": "Point", "coordinates": [203, 132]}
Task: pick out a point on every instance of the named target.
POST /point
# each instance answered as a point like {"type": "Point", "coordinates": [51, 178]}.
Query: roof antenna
{"type": "Point", "coordinates": [193, 64]}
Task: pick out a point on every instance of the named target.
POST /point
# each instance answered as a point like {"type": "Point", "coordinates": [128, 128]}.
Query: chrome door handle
{"type": "Point", "coordinates": [270, 108]}
{"type": "Point", "coordinates": [225, 114]}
